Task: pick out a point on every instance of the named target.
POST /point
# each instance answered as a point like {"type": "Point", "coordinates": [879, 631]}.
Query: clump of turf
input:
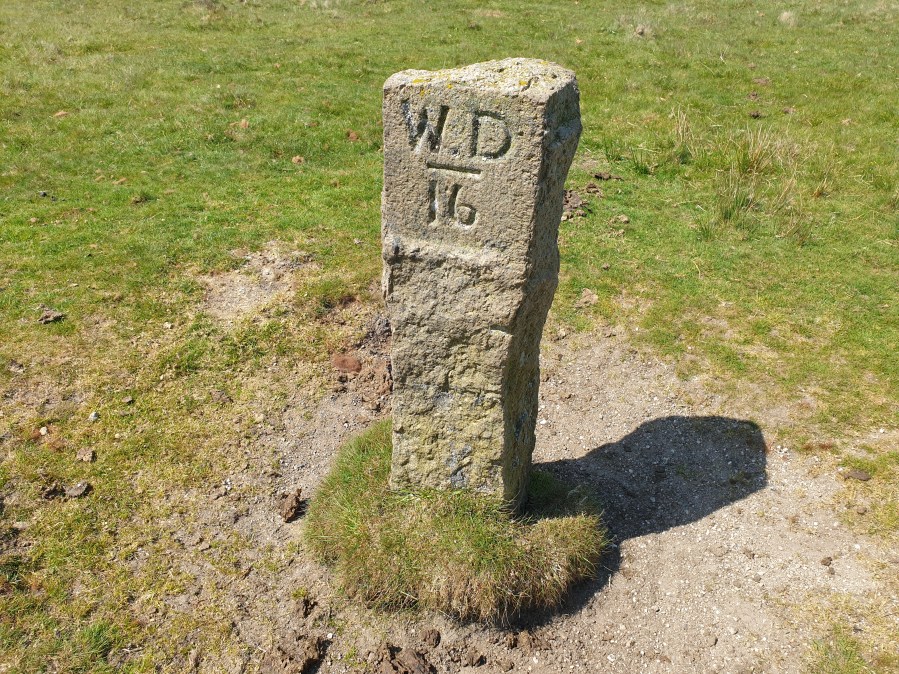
{"type": "Point", "coordinates": [452, 551]}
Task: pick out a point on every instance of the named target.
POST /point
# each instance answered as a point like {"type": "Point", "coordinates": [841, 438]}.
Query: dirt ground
{"type": "Point", "coordinates": [729, 554]}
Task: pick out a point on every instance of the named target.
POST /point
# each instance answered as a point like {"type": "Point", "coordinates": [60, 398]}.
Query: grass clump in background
{"type": "Point", "coordinates": [452, 551]}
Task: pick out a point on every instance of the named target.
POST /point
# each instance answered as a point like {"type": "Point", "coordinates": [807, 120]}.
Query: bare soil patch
{"type": "Point", "coordinates": [263, 276]}
{"type": "Point", "coordinates": [729, 556]}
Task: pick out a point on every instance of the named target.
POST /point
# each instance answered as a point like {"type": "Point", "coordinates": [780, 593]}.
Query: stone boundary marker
{"type": "Point", "coordinates": [475, 161]}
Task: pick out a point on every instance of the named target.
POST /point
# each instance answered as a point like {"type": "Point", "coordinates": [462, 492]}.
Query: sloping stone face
{"type": "Point", "coordinates": [475, 161]}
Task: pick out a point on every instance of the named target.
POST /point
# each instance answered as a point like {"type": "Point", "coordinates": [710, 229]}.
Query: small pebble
{"type": "Point", "coordinates": [473, 658]}
{"type": "Point", "coordinates": [430, 638]}
{"type": "Point", "coordinates": [78, 490]}
{"type": "Point", "coordinates": [292, 505]}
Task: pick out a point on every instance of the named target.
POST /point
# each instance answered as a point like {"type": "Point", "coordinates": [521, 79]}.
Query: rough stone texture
{"type": "Point", "coordinates": [475, 161]}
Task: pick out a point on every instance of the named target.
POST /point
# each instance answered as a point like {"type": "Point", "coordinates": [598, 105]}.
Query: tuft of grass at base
{"type": "Point", "coordinates": [452, 551]}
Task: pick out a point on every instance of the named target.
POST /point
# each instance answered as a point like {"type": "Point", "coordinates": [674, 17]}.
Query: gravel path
{"type": "Point", "coordinates": [728, 554]}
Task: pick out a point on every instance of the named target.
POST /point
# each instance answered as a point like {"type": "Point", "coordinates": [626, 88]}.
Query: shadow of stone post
{"type": "Point", "coordinates": [666, 473]}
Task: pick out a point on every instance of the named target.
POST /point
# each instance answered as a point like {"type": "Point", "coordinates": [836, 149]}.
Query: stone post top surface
{"type": "Point", "coordinates": [533, 78]}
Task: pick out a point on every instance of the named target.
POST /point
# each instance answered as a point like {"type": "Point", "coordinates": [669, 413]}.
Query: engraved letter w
{"type": "Point", "coordinates": [425, 127]}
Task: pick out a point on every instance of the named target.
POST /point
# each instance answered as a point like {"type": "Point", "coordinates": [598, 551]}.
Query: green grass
{"type": "Point", "coordinates": [762, 250]}
{"type": "Point", "coordinates": [839, 653]}
{"type": "Point", "coordinates": [451, 551]}
{"type": "Point", "coordinates": [783, 227]}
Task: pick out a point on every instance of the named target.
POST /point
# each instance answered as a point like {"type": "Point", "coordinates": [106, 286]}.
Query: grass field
{"type": "Point", "coordinates": [142, 142]}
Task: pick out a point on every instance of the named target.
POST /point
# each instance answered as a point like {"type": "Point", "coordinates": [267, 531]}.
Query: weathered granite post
{"type": "Point", "coordinates": [475, 161]}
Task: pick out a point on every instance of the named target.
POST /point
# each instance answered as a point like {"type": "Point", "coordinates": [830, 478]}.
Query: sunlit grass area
{"type": "Point", "coordinates": [145, 146]}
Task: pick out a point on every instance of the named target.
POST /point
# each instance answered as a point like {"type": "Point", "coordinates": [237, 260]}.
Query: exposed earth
{"type": "Point", "coordinates": [732, 552]}
{"type": "Point", "coordinates": [729, 556]}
